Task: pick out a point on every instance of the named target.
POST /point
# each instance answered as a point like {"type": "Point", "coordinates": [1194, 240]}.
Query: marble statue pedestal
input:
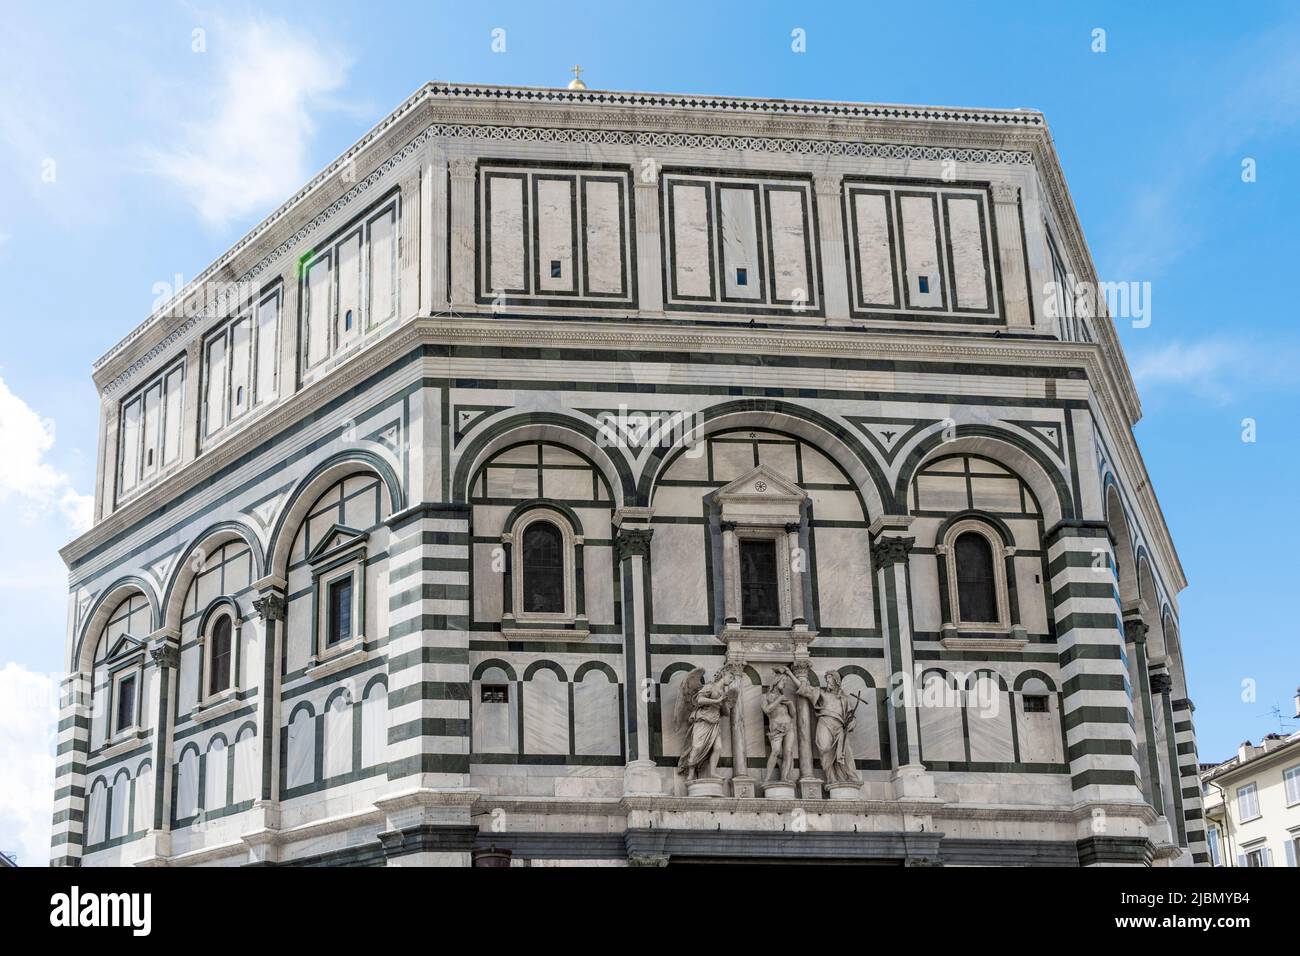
{"type": "Point", "coordinates": [778, 790]}
{"type": "Point", "coordinates": [705, 787]}
{"type": "Point", "coordinates": [844, 791]}
{"type": "Point", "coordinates": [743, 786]}
{"type": "Point", "coordinates": [810, 788]}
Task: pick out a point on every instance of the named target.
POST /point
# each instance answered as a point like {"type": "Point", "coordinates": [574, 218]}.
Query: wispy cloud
{"type": "Point", "coordinates": [28, 732]}
{"type": "Point", "coordinates": [246, 146]}
{"type": "Point", "coordinates": [25, 474]}
{"type": "Point", "coordinates": [1216, 370]}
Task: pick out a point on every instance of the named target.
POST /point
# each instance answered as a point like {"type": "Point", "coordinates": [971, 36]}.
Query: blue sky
{"type": "Point", "coordinates": [128, 158]}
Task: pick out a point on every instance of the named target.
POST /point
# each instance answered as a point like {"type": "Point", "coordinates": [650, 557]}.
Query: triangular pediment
{"type": "Point", "coordinates": [335, 541]}
{"type": "Point", "coordinates": [761, 483]}
{"type": "Point", "coordinates": [124, 646]}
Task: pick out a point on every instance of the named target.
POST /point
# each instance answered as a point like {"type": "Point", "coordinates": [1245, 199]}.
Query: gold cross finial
{"type": "Point", "coordinates": [576, 83]}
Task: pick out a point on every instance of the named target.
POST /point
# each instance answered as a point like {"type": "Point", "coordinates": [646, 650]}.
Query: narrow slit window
{"type": "Point", "coordinates": [340, 611]}
{"type": "Point", "coordinates": [923, 283]}
{"type": "Point", "coordinates": [219, 668]}
{"type": "Point", "coordinates": [125, 703]}
{"type": "Point", "coordinates": [556, 271]}
{"type": "Point", "coordinates": [742, 277]}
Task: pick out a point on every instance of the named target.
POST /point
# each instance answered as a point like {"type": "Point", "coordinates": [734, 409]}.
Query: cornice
{"type": "Point", "coordinates": [445, 329]}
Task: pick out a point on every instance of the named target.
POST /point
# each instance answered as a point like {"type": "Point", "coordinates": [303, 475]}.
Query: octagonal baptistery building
{"type": "Point", "coordinates": [555, 457]}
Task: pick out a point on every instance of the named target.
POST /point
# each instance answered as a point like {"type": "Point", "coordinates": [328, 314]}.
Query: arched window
{"type": "Point", "coordinates": [220, 649]}
{"type": "Point", "coordinates": [976, 580]}
{"type": "Point", "coordinates": [543, 569]}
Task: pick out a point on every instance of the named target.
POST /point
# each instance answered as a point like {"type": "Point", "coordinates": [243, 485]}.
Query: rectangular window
{"type": "Point", "coordinates": [383, 267]}
{"type": "Point", "coordinates": [494, 694]}
{"type": "Point", "coordinates": [241, 358]}
{"type": "Point", "coordinates": [1212, 837]}
{"type": "Point", "coordinates": [556, 270]}
{"type": "Point", "coordinates": [742, 277]}
{"type": "Point", "coordinates": [1257, 856]}
{"type": "Point", "coordinates": [172, 415]}
{"type": "Point", "coordinates": [149, 433]}
{"type": "Point", "coordinates": [759, 601]}
{"type": "Point", "coordinates": [1036, 704]}
{"type": "Point", "coordinates": [340, 611]}
{"type": "Point", "coordinates": [1247, 802]}
{"type": "Point", "coordinates": [125, 703]}
{"type": "Point", "coordinates": [349, 289]}
{"type": "Point", "coordinates": [214, 371]}
{"type": "Point", "coordinates": [152, 429]}
{"type": "Point", "coordinates": [1291, 777]}
{"type": "Point", "coordinates": [268, 349]}
{"type": "Point", "coordinates": [923, 284]}
{"type": "Point", "coordinates": [131, 445]}
{"type": "Point", "coordinates": [318, 311]}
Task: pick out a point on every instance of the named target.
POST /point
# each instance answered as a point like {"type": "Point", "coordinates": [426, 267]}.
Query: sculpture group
{"type": "Point", "coordinates": [789, 704]}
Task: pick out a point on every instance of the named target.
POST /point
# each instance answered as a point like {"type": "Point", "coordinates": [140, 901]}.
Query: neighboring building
{"type": "Point", "coordinates": [7, 860]}
{"type": "Point", "coordinates": [422, 507]}
{"type": "Point", "coordinates": [1252, 804]}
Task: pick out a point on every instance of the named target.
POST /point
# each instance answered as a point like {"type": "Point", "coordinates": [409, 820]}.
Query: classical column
{"type": "Point", "coordinates": [730, 613]}
{"type": "Point", "coordinates": [1189, 780]}
{"type": "Point", "coordinates": [165, 659]}
{"type": "Point", "coordinates": [796, 576]}
{"type": "Point", "coordinates": [270, 607]}
{"type": "Point", "coordinates": [1135, 642]}
{"type": "Point", "coordinates": [890, 560]}
{"type": "Point", "coordinates": [1011, 254]}
{"type": "Point", "coordinates": [1162, 693]}
{"type": "Point", "coordinates": [633, 554]}
{"type": "Point", "coordinates": [464, 238]}
{"type": "Point", "coordinates": [649, 259]}
{"type": "Point", "coordinates": [830, 229]}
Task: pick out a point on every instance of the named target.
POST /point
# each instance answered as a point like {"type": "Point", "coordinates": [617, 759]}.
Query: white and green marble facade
{"type": "Point", "coordinates": [569, 255]}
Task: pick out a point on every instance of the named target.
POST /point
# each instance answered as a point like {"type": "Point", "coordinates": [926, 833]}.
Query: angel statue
{"type": "Point", "coordinates": [836, 718]}
{"type": "Point", "coordinates": [780, 728]}
{"type": "Point", "coordinates": [700, 707]}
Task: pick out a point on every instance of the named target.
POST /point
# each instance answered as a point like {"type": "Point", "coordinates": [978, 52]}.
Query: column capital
{"type": "Point", "coordinates": [828, 184]}
{"type": "Point", "coordinates": [1006, 193]}
{"type": "Point", "coordinates": [1135, 628]}
{"type": "Point", "coordinates": [270, 606]}
{"type": "Point", "coordinates": [633, 542]}
{"type": "Point", "coordinates": [463, 168]}
{"type": "Point", "coordinates": [1161, 682]}
{"type": "Point", "coordinates": [726, 526]}
{"type": "Point", "coordinates": [164, 647]}
{"type": "Point", "coordinates": [888, 551]}
{"type": "Point", "coordinates": [793, 527]}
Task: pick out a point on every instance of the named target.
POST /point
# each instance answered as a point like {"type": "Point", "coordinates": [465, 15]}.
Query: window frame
{"type": "Point", "coordinates": [130, 668]}
{"type": "Point", "coordinates": [1001, 593]}
{"type": "Point", "coordinates": [146, 475]}
{"type": "Point", "coordinates": [224, 332]}
{"type": "Point", "coordinates": [1254, 793]}
{"type": "Point", "coordinates": [1290, 775]}
{"type": "Point", "coordinates": [222, 608]}
{"type": "Point", "coordinates": [773, 538]}
{"type": "Point", "coordinates": [570, 541]}
{"type": "Point", "coordinates": [340, 556]}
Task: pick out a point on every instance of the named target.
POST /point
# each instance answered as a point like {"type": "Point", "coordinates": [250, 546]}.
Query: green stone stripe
{"type": "Point", "coordinates": [1081, 589]}
{"type": "Point", "coordinates": [429, 690]}
{"type": "Point", "coordinates": [428, 763]}
{"type": "Point", "coordinates": [426, 654]}
{"type": "Point", "coordinates": [1091, 652]}
{"type": "Point", "coordinates": [429, 622]}
{"type": "Point", "coordinates": [1092, 681]}
{"type": "Point", "coordinates": [457, 565]}
{"type": "Point", "coordinates": [1089, 621]}
{"type": "Point", "coordinates": [426, 538]}
{"type": "Point", "coordinates": [1093, 745]}
{"type": "Point", "coordinates": [430, 591]}
{"type": "Point", "coordinates": [1096, 715]}
{"type": "Point", "coordinates": [1095, 777]}
{"type": "Point", "coordinates": [429, 727]}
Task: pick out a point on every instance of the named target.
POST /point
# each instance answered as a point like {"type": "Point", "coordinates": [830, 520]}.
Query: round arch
{"type": "Point", "coordinates": [575, 434]}
{"type": "Point", "coordinates": [83, 654]}
{"type": "Point", "coordinates": [1122, 542]}
{"type": "Point", "coordinates": [321, 478]}
{"type": "Point", "coordinates": [1007, 449]}
{"type": "Point", "coordinates": [823, 433]}
{"type": "Point", "coordinates": [185, 572]}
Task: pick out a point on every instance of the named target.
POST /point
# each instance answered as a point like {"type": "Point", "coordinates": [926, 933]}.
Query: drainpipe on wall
{"type": "Point", "coordinates": [1231, 858]}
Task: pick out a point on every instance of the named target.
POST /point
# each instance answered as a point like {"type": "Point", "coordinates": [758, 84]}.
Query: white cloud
{"type": "Point", "coordinates": [246, 149]}
{"type": "Point", "coordinates": [1215, 369]}
{"type": "Point", "coordinates": [25, 439]}
{"type": "Point", "coordinates": [28, 735]}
